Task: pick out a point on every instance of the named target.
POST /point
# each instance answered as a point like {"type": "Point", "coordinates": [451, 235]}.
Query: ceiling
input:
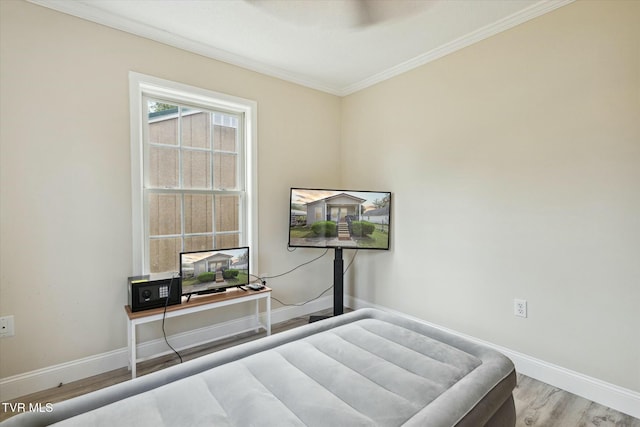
{"type": "Point", "coordinates": [337, 46]}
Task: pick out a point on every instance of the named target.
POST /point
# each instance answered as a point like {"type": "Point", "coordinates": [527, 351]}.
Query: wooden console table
{"type": "Point", "coordinates": [196, 304]}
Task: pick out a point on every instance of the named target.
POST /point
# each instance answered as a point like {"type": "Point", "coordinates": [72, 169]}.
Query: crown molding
{"type": "Point", "coordinates": [89, 13]}
{"type": "Point", "coordinates": [538, 9]}
{"type": "Point", "coordinates": [81, 10]}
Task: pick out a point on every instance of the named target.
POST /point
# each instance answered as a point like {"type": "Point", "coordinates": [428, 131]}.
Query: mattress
{"type": "Point", "coordinates": [365, 368]}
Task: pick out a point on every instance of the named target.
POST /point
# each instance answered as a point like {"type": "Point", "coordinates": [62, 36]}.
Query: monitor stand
{"type": "Point", "coordinates": [338, 287]}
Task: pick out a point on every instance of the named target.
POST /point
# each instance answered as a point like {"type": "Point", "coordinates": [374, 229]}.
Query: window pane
{"type": "Point", "coordinates": [163, 167]}
{"type": "Point", "coordinates": [225, 138]}
{"type": "Point", "coordinates": [163, 254]}
{"type": "Point", "coordinates": [195, 128]}
{"type": "Point", "coordinates": [228, 241]}
{"type": "Point", "coordinates": [227, 213]}
{"type": "Point", "coordinates": [198, 213]}
{"type": "Point", "coordinates": [163, 123]}
{"type": "Point", "coordinates": [193, 169]}
{"type": "Point", "coordinates": [164, 214]}
{"type": "Point", "coordinates": [226, 171]}
{"type": "Point", "coordinates": [198, 243]}
{"type": "Point", "coordinates": [196, 169]}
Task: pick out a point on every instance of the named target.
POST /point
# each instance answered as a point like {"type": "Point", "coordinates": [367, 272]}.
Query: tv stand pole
{"type": "Point", "coordinates": [338, 283]}
{"type": "Point", "coordinates": [338, 287]}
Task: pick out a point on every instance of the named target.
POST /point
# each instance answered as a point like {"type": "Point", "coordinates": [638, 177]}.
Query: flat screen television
{"type": "Point", "coordinates": [213, 270]}
{"type": "Point", "coordinates": [321, 218]}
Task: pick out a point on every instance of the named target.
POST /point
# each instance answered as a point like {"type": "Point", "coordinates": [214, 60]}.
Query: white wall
{"type": "Point", "coordinates": [514, 166]}
{"type": "Point", "coordinates": [515, 170]}
{"type": "Point", "coordinates": [66, 243]}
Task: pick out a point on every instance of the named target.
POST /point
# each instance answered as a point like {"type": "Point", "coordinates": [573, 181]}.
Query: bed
{"type": "Point", "coordinates": [364, 368]}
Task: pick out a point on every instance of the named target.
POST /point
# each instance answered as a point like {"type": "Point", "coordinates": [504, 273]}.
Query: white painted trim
{"type": "Point", "coordinates": [137, 213]}
{"type": "Point", "coordinates": [142, 84]}
{"type": "Point", "coordinates": [607, 394]}
{"type": "Point", "coordinates": [538, 9]}
{"type": "Point", "coordinates": [45, 378]}
{"type": "Point", "coordinates": [52, 376]}
{"type": "Point", "coordinates": [90, 13]}
{"type": "Point", "coordinates": [84, 11]}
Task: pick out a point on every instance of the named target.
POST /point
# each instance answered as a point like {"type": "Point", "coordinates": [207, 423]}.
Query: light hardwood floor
{"type": "Point", "coordinates": [537, 404]}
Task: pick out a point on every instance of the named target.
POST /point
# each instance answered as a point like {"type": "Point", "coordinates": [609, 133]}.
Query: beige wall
{"type": "Point", "coordinates": [515, 167]}
{"type": "Point", "coordinates": [65, 184]}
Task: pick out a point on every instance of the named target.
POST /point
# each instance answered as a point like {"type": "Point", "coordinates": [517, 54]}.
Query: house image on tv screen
{"type": "Point", "coordinates": [325, 218]}
{"type": "Point", "coordinates": [335, 208]}
{"type": "Point", "coordinates": [215, 263]}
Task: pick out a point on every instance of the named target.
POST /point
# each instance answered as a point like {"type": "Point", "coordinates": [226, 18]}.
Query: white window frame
{"type": "Point", "coordinates": [141, 85]}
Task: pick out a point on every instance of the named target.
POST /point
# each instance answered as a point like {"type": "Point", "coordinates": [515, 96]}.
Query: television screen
{"type": "Point", "coordinates": [339, 218]}
{"type": "Point", "coordinates": [214, 270]}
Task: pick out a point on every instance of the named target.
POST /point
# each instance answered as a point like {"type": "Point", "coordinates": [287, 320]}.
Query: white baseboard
{"type": "Point", "coordinates": [52, 376]}
{"type": "Point", "coordinates": [607, 394]}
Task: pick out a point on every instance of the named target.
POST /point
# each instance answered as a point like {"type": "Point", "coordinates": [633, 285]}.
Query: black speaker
{"type": "Point", "coordinates": [146, 292]}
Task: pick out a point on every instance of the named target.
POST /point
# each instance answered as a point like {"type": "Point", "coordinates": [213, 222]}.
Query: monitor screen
{"type": "Point", "coordinates": [213, 270]}
{"type": "Point", "coordinates": [339, 218]}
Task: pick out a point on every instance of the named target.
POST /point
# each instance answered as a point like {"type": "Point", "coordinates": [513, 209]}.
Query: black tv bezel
{"type": "Point", "coordinates": [289, 244]}
{"type": "Point", "coordinates": [219, 289]}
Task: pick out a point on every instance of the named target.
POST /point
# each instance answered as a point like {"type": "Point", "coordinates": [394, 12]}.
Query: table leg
{"type": "Point", "coordinates": [268, 314]}
{"type": "Point", "coordinates": [258, 315]}
{"type": "Point", "coordinates": [129, 343]}
{"type": "Point", "coordinates": [132, 348]}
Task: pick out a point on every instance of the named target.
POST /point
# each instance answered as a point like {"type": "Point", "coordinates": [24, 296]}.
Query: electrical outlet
{"type": "Point", "coordinates": [6, 326]}
{"type": "Point", "coordinates": [520, 307]}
